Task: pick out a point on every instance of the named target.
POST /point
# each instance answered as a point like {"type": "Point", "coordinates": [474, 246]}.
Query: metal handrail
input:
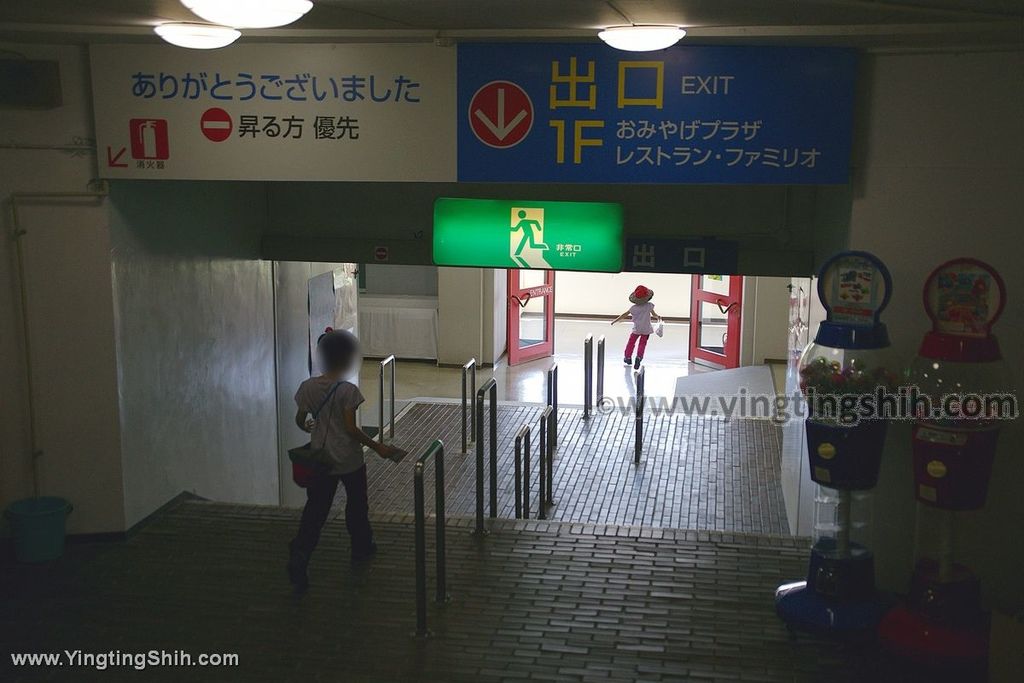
{"type": "Point", "coordinates": [489, 387]}
{"type": "Point", "coordinates": [600, 371]}
{"type": "Point", "coordinates": [390, 360]}
{"type": "Point", "coordinates": [467, 399]}
{"type": "Point", "coordinates": [553, 402]}
{"type": "Point", "coordinates": [588, 375]}
{"type": "Point", "coordinates": [639, 419]}
{"type": "Point", "coordinates": [546, 452]}
{"type": "Point", "coordinates": [436, 450]}
{"type": "Point", "coordinates": [523, 472]}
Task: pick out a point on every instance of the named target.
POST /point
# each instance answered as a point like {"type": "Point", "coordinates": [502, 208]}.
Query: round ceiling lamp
{"type": "Point", "coordinates": [197, 36]}
{"type": "Point", "coordinates": [249, 13]}
{"type": "Point", "coordinates": [641, 38]}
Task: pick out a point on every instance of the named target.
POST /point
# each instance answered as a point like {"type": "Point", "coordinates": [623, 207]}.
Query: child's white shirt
{"type": "Point", "coordinates": [641, 316]}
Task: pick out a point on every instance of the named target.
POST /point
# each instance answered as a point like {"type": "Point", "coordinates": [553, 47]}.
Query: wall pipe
{"type": "Point", "coordinates": [35, 452]}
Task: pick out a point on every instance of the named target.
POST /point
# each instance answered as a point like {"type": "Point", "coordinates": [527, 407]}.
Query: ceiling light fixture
{"type": "Point", "coordinates": [249, 13]}
{"type": "Point", "coordinates": [197, 36]}
{"type": "Point", "coordinates": [641, 38]}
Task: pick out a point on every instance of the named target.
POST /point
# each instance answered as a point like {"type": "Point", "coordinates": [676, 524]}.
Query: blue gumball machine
{"type": "Point", "coordinates": [841, 373]}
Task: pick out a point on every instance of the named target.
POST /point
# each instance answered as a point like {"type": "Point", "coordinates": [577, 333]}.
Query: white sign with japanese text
{"type": "Point", "coordinates": [276, 112]}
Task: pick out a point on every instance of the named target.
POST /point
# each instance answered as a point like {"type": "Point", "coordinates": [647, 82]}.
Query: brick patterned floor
{"type": "Point", "coordinates": [696, 473]}
{"type": "Point", "coordinates": [534, 600]}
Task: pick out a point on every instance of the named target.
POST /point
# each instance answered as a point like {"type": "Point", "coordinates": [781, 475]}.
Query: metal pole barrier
{"type": "Point", "coordinates": [490, 386]}
{"type": "Point", "coordinates": [522, 436]}
{"type": "Point", "coordinates": [600, 370]}
{"type": "Point", "coordinates": [639, 429]}
{"type": "Point", "coordinates": [544, 458]}
{"type": "Point", "coordinates": [436, 451]}
{"type": "Point", "coordinates": [588, 374]}
{"type": "Point", "coordinates": [380, 403]}
{"type": "Point", "coordinates": [494, 448]}
{"type": "Point", "coordinates": [549, 458]}
{"type": "Point", "coordinates": [421, 553]}
{"type": "Point", "coordinates": [553, 402]}
{"type": "Point", "coordinates": [526, 473]}
{"type": "Point", "coordinates": [467, 400]}
{"type": "Point", "coordinates": [390, 360]}
{"type": "Point", "coordinates": [440, 522]}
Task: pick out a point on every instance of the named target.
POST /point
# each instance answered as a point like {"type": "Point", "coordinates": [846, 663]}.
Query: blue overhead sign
{"type": "Point", "coordinates": [589, 113]}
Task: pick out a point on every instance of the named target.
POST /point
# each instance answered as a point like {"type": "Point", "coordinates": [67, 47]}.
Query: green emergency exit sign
{"type": "Point", "coordinates": [496, 233]}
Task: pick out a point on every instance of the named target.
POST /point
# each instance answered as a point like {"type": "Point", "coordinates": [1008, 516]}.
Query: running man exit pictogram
{"type": "Point", "coordinates": [526, 238]}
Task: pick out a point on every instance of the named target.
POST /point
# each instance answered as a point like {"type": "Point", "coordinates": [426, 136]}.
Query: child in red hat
{"type": "Point", "coordinates": [642, 314]}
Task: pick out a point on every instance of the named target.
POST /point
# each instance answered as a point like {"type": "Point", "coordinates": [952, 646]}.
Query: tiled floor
{"type": "Point", "coordinates": [536, 600]}
{"type": "Point", "coordinates": [695, 473]}
{"type": "Point", "coordinates": [666, 362]}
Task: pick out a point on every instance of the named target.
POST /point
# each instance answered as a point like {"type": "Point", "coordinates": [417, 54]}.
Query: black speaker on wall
{"type": "Point", "coordinates": [30, 84]}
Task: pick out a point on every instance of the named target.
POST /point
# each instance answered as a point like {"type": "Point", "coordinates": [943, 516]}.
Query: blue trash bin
{"type": "Point", "coordinates": [39, 526]}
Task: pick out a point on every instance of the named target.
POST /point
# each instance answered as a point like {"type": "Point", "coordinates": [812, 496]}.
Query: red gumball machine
{"type": "Point", "coordinates": [957, 373]}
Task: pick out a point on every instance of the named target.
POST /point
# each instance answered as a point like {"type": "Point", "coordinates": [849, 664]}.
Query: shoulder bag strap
{"type": "Point", "coordinates": [320, 407]}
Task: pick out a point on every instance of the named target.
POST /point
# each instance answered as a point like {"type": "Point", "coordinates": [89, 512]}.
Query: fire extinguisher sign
{"type": "Point", "coordinates": [149, 140]}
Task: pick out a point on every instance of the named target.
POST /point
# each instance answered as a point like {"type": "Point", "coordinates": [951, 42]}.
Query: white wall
{"type": "Point", "coordinates": [471, 315]}
{"type": "Point", "coordinates": [195, 343]}
{"type": "Point", "coordinates": [608, 293]}
{"type": "Point", "coordinates": [765, 311]}
{"type": "Point", "coordinates": [939, 173]}
{"type": "Point", "coordinates": [460, 300]}
{"type": "Point", "coordinates": [291, 335]}
{"type": "Point", "coordinates": [798, 488]}
{"type": "Point", "coordinates": [495, 315]}
{"type": "Point", "coordinates": [389, 279]}
{"type": "Point", "coordinates": [70, 309]}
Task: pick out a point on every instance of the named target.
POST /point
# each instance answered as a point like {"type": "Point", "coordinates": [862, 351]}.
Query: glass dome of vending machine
{"type": "Point", "coordinates": [957, 376]}
{"type": "Point", "coordinates": [841, 375]}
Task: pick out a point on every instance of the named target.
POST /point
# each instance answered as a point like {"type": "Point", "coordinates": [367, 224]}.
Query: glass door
{"type": "Point", "coordinates": [715, 320]}
{"type": "Point", "coordinates": [531, 315]}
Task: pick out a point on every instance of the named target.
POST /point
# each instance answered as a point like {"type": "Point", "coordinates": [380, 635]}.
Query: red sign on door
{"type": "Point", "coordinates": [149, 139]}
{"type": "Point", "coordinates": [501, 114]}
{"type": "Point", "coordinates": [216, 124]}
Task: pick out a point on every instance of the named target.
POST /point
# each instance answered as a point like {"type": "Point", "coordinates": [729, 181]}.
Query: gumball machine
{"type": "Point", "coordinates": [954, 443]}
{"type": "Point", "coordinates": [843, 367]}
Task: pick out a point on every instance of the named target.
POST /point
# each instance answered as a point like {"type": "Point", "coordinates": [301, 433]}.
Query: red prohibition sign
{"type": "Point", "coordinates": [216, 124]}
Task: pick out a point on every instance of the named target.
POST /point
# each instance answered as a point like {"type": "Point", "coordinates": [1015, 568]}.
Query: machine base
{"type": "Point", "coordinates": [800, 607]}
{"type": "Point", "coordinates": [942, 644]}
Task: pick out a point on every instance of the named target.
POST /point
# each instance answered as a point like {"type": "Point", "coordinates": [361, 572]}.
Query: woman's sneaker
{"type": "Point", "coordinates": [636, 365]}
{"type": "Point", "coordinates": [626, 360]}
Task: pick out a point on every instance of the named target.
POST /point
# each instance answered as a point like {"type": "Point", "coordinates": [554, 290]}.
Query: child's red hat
{"type": "Point", "coordinates": [641, 294]}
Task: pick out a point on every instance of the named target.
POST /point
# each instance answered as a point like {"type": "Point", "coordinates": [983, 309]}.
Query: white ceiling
{"type": "Point", "coordinates": [865, 22]}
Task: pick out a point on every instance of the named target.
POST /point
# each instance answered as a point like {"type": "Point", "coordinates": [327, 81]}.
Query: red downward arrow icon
{"type": "Point", "coordinates": [500, 114]}
{"type": "Point", "coordinates": [501, 128]}
{"type": "Point", "coordinates": [112, 158]}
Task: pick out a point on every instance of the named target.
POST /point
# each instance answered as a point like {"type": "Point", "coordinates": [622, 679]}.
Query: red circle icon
{"type": "Point", "coordinates": [216, 124]}
{"type": "Point", "coordinates": [501, 114]}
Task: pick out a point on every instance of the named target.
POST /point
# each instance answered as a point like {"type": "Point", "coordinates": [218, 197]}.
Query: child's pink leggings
{"type": "Point", "coordinates": [632, 342]}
